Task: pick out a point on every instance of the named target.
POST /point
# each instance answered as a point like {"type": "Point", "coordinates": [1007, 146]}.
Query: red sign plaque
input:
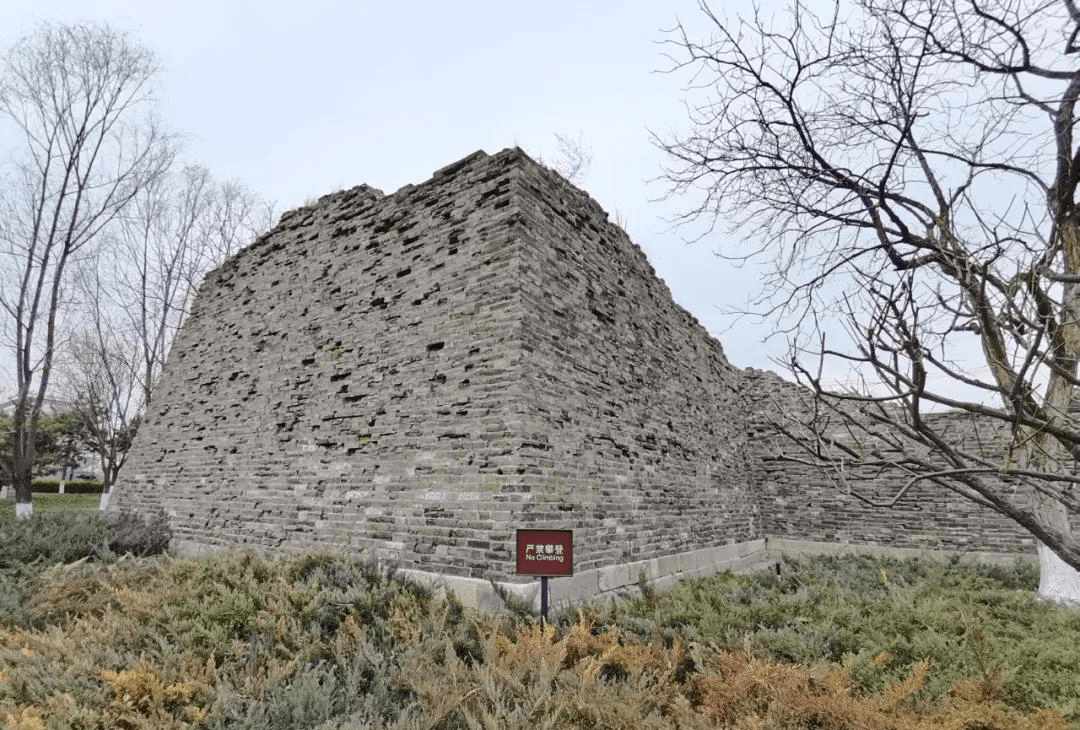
{"type": "Point", "coordinates": [545, 552]}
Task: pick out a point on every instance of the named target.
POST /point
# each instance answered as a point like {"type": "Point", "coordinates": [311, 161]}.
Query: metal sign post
{"type": "Point", "coordinates": [543, 600]}
{"type": "Point", "coordinates": [546, 553]}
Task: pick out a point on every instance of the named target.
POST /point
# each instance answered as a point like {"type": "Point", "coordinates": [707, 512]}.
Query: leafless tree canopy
{"type": "Point", "coordinates": [908, 169]}
{"type": "Point", "coordinates": [159, 249]}
{"type": "Point", "coordinates": [572, 158]}
{"type": "Point", "coordinates": [80, 100]}
{"type": "Point", "coordinates": [136, 289]}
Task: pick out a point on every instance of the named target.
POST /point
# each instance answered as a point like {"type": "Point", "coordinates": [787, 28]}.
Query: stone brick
{"type": "Point", "coordinates": [414, 376]}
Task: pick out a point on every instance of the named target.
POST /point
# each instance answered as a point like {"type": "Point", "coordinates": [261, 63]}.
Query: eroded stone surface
{"type": "Point", "coordinates": [415, 376]}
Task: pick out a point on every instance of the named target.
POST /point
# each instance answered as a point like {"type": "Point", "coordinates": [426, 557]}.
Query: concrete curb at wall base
{"type": "Point", "coordinates": [601, 585]}
{"type": "Point", "coordinates": [619, 581]}
{"type": "Point", "coordinates": [614, 582]}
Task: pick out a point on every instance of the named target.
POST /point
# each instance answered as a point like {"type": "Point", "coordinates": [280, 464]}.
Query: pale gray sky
{"type": "Point", "coordinates": [300, 99]}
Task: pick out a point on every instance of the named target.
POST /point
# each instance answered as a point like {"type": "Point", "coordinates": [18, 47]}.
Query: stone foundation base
{"type": "Point", "coordinates": [613, 582]}
{"type": "Point", "coordinates": [618, 581]}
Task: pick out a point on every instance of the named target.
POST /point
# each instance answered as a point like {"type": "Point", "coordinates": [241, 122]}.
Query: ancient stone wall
{"type": "Point", "coordinates": [630, 401]}
{"type": "Point", "coordinates": [806, 504]}
{"type": "Point", "coordinates": [414, 376]}
{"type": "Point", "coordinates": [336, 376]}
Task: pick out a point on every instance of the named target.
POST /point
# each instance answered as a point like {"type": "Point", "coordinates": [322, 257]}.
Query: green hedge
{"type": "Point", "coordinates": [72, 486]}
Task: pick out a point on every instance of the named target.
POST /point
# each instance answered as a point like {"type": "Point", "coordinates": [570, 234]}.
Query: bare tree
{"type": "Point", "coordinates": [572, 158]}
{"type": "Point", "coordinates": [80, 98]}
{"type": "Point", "coordinates": [175, 231]}
{"type": "Point", "coordinates": [908, 170]}
{"type": "Point", "coordinates": [138, 290]}
{"type": "Point", "coordinates": [100, 378]}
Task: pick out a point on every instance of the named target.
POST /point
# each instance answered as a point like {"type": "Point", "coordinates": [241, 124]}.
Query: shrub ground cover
{"type": "Point", "coordinates": [234, 640]}
{"type": "Point", "coordinates": [879, 618]}
{"type": "Point", "coordinates": [29, 547]}
{"type": "Point", "coordinates": [51, 485]}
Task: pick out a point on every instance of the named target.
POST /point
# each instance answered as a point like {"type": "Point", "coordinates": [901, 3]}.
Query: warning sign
{"type": "Point", "coordinates": [545, 552]}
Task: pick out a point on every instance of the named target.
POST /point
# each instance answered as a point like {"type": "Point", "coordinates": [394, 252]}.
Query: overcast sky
{"type": "Point", "coordinates": [303, 98]}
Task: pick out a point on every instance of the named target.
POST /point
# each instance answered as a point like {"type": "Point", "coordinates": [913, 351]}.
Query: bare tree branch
{"type": "Point", "coordinates": [909, 170]}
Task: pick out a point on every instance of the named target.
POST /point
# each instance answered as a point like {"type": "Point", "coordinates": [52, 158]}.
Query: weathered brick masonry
{"type": "Point", "coordinates": [417, 375]}
{"type": "Point", "coordinates": [803, 504]}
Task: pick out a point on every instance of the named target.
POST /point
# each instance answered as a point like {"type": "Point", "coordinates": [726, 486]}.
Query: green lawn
{"type": "Point", "coordinates": [57, 502]}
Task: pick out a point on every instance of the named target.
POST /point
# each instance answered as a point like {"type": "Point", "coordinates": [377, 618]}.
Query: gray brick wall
{"type": "Point", "coordinates": [629, 399]}
{"type": "Point", "coordinates": [804, 504]}
{"type": "Point", "coordinates": [417, 375]}
{"type": "Point", "coordinates": [414, 376]}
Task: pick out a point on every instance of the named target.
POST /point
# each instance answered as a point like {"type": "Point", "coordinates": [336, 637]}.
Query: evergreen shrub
{"type": "Point", "coordinates": [50, 485]}
{"type": "Point", "coordinates": [49, 538]}
{"type": "Point", "coordinates": [29, 546]}
{"type": "Point", "coordinates": [137, 534]}
{"type": "Point", "coordinates": [237, 640]}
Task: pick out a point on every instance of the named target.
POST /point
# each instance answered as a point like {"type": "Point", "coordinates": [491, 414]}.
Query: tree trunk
{"type": "Point", "coordinates": [22, 459]}
{"type": "Point", "coordinates": [24, 497]}
{"type": "Point", "coordinates": [1059, 582]}
{"type": "Point", "coordinates": [110, 469]}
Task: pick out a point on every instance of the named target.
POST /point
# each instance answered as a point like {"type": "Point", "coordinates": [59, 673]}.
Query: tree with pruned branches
{"type": "Point", "coordinates": [906, 171]}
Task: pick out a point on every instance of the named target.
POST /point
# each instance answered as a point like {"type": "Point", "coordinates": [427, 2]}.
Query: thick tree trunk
{"type": "Point", "coordinates": [1059, 582]}
{"type": "Point", "coordinates": [24, 498]}
{"type": "Point", "coordinates": [22, 461]}
{"type": "Point", "coordinates": [110, 469]}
